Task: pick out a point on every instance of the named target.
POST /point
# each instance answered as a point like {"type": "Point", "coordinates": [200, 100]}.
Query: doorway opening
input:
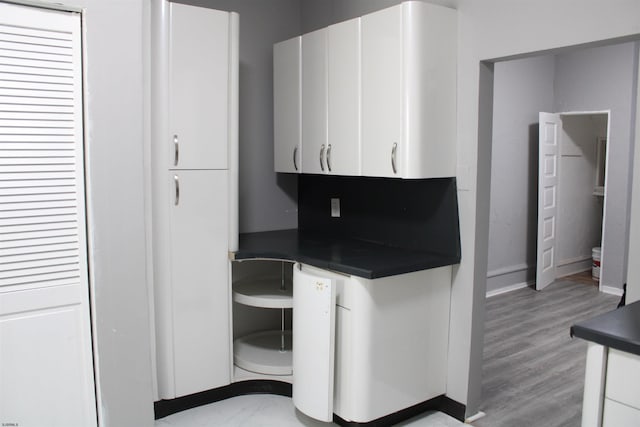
{"type": "Point", "coordinates": [597, 83]}
{"type": "Point", "coordinates": [594, 80]}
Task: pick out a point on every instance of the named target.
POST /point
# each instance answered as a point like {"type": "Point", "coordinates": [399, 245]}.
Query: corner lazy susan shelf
{"type": "Point", "coordinates": [264, 352]}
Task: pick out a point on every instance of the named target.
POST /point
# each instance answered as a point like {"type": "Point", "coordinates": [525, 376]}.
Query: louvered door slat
{"type": "Point", "coordinates": [41, 249]}
{"type": "Point", "coordinates": [59, 225]}
{"type": "Point", "coordinates": [36, 258]}
{"type": "Point", "coordinates": [45, 73]}
{"type": "Point", "coordinates": [33, 99]}
{"type": "Point", "coordinates": [15, 79]}
{"type": "Point", "coordinates": [23, 45]}
{"type": "Point", "coordinates": [35, 54]}
{"type": "Point", "coordinates": [25, 194]}
{"type": "Point", "coordinates": [33, 272]}
{"type": "Point", "coordinates": [72, 273]}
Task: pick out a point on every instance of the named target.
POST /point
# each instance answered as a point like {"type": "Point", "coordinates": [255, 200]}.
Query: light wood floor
{"type": "Point", "coordinates": [533, 372]}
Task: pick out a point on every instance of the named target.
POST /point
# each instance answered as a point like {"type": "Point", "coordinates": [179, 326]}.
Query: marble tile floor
{"type": "Point", "coordinates": [265, 410]}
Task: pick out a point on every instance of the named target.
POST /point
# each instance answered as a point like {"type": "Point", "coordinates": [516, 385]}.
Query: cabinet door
{"type": "Point", "coordinates": [314, 101]}
{"type": "Point", "coordinates": [199, 280]}
{"type": "Point", "coordinates": [382, 88]}
{"type": "Point", "coordinates": [198, 89]}
{"type": "Point", "coordinates": [314, 301]}
{"type": "Point", "coordinates": [286, 105]}
{"type": "Point", "coordinates": [343, 150]}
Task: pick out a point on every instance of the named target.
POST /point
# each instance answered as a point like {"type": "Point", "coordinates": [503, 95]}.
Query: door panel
{"type": "Point", "coordinates": [199, 81]}
{"type": "Point", "coordinates": [548, 163]}
{"type": "Point", "coordinates": [286, 105]}
{"type": "Point", "coordinates": [343, 153]}
{"type": "Point", "coordinates": [314, 299]}
{"type": "Point", "coordinates": [382, 92]}
{"type": "Point", "coordinates": [43, 353]}
{"type": "Point", "coordinates": [199, 280]}
{"type": "Point", "coordinates": [314, 101]}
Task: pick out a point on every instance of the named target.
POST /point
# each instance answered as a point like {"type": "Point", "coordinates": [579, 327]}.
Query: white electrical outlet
{"type": "Point", "coordinates": [335, 208]}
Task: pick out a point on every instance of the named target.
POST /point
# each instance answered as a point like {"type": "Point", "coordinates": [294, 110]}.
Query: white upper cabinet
{"type": "Point", "coordinates": [287, 105]}
{"type": "Point", "coordinates": [343, 146]}
{"type": "Point", "coordinates": [409, 91]}
{"type": "Point", "coordinates": [378, 95]}
{"type": "Point", "coordinates": [314, 102]}
{"type": "Point", "coordinates": [199, 85]}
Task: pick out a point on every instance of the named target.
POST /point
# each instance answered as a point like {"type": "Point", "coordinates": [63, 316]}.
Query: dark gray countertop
{"type": "Point", "coordinates": [619, 329]}
{"type": "Point", "coordinates": [350, 256]}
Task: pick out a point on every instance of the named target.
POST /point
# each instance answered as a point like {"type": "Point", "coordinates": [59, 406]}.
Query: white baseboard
{"type": "Point", "coordinates": [611, 290]}
{"type": "Point", "coordinates": [509, 288]}
{"type": "Point", "coordinates": [475, 417]}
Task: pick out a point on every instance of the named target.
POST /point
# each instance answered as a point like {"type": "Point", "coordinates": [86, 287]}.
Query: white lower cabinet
{"type": "Point", "coordinates": [362, 349]}
{"type": "Point", "coordinates": [622, 390]}
{"type": "Point", "coordinates": [612, 388]}
{"type": "Point", "coordinates": [193, 352]}
{"type": "Point", "coordinates": [391, 337]}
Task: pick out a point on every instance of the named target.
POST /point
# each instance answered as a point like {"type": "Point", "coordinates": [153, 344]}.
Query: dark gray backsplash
{"type": "Point", "coordinates": [414, 214]}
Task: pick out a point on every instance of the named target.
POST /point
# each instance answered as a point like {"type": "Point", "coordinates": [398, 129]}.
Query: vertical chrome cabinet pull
{"type": "Point", "coordinates": [176, 181]}
{"type": "Point", "coordinates": [321, 157]}
{"type": "Point", "coordinates": [329, 157]}
{"type": "Point", "coordinates": [176, 150]}
{"type": "Point", "coordinates": [295, 160]}
{"type": "Point", "coordinates": [393, 157]}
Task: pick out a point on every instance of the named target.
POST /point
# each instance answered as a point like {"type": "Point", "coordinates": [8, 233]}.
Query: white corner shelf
{"type": "Point", "coordinates": [263, 293]}
{"type": "Point", "coordinates": [261, 353]}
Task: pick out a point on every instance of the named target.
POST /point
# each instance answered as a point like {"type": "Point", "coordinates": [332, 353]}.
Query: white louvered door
{"type": "Point", "coordinates": [46, 363]}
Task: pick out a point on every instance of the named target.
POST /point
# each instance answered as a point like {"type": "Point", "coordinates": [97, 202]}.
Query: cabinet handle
{"type": "Point", "coordinates": [295, 155]}
{"type": "Point", "coordinates": [329, 157]}
{"type": "Point", "coordinates": [321, 157]}
{"type": "Point", "coordinates": [176, 150]}
{"type": "Point", "coordinates": [393, 157]}
{"type": "Point", "coordinates": [176, 181]}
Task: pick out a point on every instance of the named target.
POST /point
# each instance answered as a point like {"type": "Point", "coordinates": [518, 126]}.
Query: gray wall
{"type": "Point", "coordinates": [522, 88]}
{"type": "Point", "coordinates": [602, 79]}
{"type": "Point", "coordinates": [598, 78]}
{"type": "Point", "coordinates": [268, 201]}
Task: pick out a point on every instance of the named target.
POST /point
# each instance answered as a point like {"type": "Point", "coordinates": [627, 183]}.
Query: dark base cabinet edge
{"type": "Point", "coordinates": [164, 408]}
{"type": "Point", "coordinates": [440, 403]}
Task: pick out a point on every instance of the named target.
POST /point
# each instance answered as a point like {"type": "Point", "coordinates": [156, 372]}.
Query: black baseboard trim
{"type": "Point", "coordinates": [163, 408]}
{"type": "Point", "coordinates": [440, 403]}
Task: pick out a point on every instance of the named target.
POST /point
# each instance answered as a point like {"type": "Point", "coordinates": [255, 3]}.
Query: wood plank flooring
{"type": "Point", "coordinates": [533, 372]}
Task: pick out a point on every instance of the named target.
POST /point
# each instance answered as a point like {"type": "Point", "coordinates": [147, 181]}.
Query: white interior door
{"type": "Point", "coordinates": [548, 163]}
{"type": "Point", "coordinates": [46, 363]}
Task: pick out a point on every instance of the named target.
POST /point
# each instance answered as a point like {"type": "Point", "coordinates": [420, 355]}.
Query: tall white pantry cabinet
{"type": "Point", "coordinates": [194, 179]}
